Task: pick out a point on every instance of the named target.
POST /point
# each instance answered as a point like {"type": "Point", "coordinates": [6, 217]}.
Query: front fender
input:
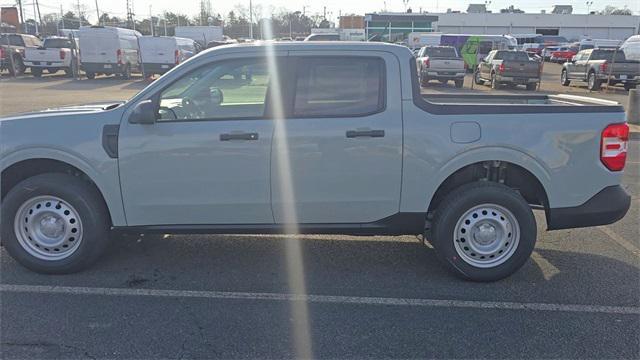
{"type": "Point", "coordinates": [105, 175]}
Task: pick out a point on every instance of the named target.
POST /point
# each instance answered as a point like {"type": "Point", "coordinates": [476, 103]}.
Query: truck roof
{"type": "Point", "coordinates": [398, 50]}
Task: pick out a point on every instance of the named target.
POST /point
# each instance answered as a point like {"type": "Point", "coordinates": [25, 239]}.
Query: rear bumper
{"type": "Point", "coordinates": [153, 68]}
{"type": "Point", "coordinates": [103, 68]}
{"type": "Point", "coordinates": [515, 80]}
{"type": "Point", "coordinates": [443, 75]}
{"type": "Point", "coordinates": [45, 64]}
{"type": "Point", "coordinates": [606, 207]}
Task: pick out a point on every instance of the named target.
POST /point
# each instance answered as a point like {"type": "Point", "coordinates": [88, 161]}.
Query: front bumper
{"type": "Point", "coordinates": [606, 207]}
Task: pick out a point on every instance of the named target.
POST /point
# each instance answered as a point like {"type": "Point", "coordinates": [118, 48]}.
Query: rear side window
{"type": "Point", "coordinates": [344, 86]}
{"type": "Point", "coordinates": [441, 52]}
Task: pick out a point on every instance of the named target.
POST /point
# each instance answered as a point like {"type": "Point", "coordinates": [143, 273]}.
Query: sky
{"type": "Point", "coordinates": [333, 7]}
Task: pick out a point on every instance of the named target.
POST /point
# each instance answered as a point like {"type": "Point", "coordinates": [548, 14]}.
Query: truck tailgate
{"type": "Point", "coordinates": [521, 69]}
{"type": "Point", "coordinates": [446, 65]}
{"type": "Point", "coordinates": [42, 55]}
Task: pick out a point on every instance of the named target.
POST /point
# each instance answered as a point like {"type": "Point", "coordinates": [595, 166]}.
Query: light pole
{"type": "Point", "coordinates": [250, 20]}
{"type": "Point", "coordinates": [586, 26]}
{"type": "Point", "coordinates": [486, 11]}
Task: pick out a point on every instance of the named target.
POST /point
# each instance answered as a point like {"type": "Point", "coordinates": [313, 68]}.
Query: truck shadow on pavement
{"type": "Point", "coordinates": [385, 267]}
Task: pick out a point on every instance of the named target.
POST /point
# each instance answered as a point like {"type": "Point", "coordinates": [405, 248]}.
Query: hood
{"type": "Point", "coordinates": [68, 110]}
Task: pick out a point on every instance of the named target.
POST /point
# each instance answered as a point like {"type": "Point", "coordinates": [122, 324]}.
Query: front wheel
{"type": "Point", "coordinates": [54, 224]}
{"type": "Point", "coordinates": [564, 78]}
{"type": "Point", "coordinates": [483, 231]}
{"type": "Point", "coordinates": [91, 75]}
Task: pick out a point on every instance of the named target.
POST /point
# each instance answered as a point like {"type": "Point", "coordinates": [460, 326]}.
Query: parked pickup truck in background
{"type": "Point", "coordinates": [12, 49]}
{"type": "Point", "coordinates": [440, 63]}
{"type": "Point", "coordinates": [598, 66]}
{"type": "Point", "coordinates": [505, 67]}
{"type": "Point", "coordinates": [55, 54]}
{"type": "Point", "coordinates": [350, 146]}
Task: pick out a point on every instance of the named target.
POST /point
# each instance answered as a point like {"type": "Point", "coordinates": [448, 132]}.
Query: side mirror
{"type": "Point", "coordinates": [217, 97]}
{"type": "Point", "coordinates": [143, 113]}
{"type": "Point", "coordinates": [573, 59]}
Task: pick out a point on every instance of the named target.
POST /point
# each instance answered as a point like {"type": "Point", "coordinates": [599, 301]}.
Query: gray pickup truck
{"type": "Point", "coordinates": [598, 66]}
{"type": "Point", "coordinates": [508, 67]}
{"type": "Point", "coordinates": [441, 63]}
{"type": "Point", "coordinates": [342, 142]}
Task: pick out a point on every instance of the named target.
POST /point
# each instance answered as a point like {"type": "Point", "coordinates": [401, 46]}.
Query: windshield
{"type": "Point", "coordinates": [436, 52]}
{"type": "Point", "coordinates": [57, 43]}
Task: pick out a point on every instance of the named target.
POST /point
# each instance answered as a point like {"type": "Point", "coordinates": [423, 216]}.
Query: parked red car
{"type": "Point", "coordinates": [563, 54]}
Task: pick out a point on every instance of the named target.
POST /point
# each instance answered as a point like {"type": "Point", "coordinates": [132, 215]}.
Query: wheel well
{"type": "Point", "coordinates": [514, 176]}
{"type": "Point", "coordinates": [25, 169]}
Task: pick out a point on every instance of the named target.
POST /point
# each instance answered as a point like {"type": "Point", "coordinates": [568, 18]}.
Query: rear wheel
{"type": "Point", "coordinates": [532, 86]}
{"type": "Point", "coordinates": [36, 72]}
{"type": "Point", "coordinates": [54, 224]}
{"type": "Point", "coordinates": [91, 75]}
{"type": "Point", "coordinates": [477, 79]}
{"type": "Point", "coordinates": [16, 66]}
{"type": "Point", "coordinates": [593, 82]}
{"type": "Point", "coordinates": [127, 72]}
{"type": "Point", "coordinates": [483, 231]}
{"type": "Point", "coordinates": [424, 81]}
{"type": "Point", "coordinates": [564, 78]}
{"type": "Point", "coordinates": [494, 82]}
{"type": "Point", "coordinates": [459, 83]}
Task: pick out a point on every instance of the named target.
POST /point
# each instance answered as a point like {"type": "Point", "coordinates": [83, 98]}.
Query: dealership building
{"type": "Point", "coordinates": [571, 26]}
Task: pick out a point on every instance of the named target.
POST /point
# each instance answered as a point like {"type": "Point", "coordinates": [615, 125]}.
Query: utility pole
{"type": "Point", "coordinates": [62, 16]}
{"type": "Point", "coordinates": [79, 15]}
{"type": "Point", "coordinates": [98, 13]}
{"type": "Point", "coordinates": [35, 16]}
{"type": "Point", "coordinates": [21, 15]}
{"type": "Point", "coordinates": [250, 20]}
{"type": "Point", "coordinates": [151, 20]}
{"type": "Point", "coordinates": [39, 15]}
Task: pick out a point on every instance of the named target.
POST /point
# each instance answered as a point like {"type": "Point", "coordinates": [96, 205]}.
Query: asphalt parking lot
{"type": "Point", "coordinates": [366, 297]}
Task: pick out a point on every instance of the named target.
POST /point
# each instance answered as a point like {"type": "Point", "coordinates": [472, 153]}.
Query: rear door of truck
{"type": "Point", "coordinates": [344, 139]}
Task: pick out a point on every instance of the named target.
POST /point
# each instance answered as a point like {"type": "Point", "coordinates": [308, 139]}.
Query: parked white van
{"type": "Point", "coordinates": [631, 48]}
{"type": "Point", "coordinates": [159, 54]}
{"type": "Point", "coordinates": [109, 50]}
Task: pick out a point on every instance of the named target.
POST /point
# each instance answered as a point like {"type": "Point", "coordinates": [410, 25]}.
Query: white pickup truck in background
{"type": "Point", "coordinates": [55, 54]}
{"type": "Point", "coordinates": [442, 63]}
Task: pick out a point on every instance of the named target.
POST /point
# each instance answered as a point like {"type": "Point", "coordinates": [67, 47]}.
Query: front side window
{"type": "Point", "coordinates": [226, 90]}
{"type": "Point", "coordinates": [332, 87]}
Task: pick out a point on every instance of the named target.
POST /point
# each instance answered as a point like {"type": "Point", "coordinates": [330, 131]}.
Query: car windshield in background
{"type": "Point", "coordinates": [512, 56]}
{"type": "Point", "coordinates": [14, 40]}
{"type": "Point", "coordinates": [440, 52]}
{"type": "Point", "coordinates": [608, 55]}
{"type": "Point", "coordinates": [57, 43]}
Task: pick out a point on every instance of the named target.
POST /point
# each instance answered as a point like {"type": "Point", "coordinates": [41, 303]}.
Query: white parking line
{"type": "Point", "coordinates": [620, 240]}
{"type": "Point", "coordinates": [357, 300]}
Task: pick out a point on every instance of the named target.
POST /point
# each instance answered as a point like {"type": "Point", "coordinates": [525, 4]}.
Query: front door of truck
{"type": "Point", "coordinates": [206, 160]}
{"type": "Point", "coordinates": [337, 158]}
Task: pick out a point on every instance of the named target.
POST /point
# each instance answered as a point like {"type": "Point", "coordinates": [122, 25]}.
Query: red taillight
{"type": "Point", "coordinates": [613, 146]}
{"type": "Point", "coordinates": [603, 67]}
{"type": "Point", "coordinates": [426, 62]}
{"type": "Point", "coordinates": [501, 68]}
{"type": "Point", "coordinates": [119, 56]}
{"type": "Point", "coordinates": [177, 56]}
{"type": "Point", "coordinates": [62, 54]}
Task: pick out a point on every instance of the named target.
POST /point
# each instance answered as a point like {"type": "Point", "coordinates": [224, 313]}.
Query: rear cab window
{"type": "Point", "coordinates": [440, 52]}
{"type": "Point", "coordinates": [339, 86]}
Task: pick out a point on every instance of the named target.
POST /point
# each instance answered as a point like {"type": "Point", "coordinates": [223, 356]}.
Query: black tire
{"type": "Point", "coordinates": [36, 72]}
{"type": "Point", "coordinates": [424, 81]}
{"type": "Point", "coordinates": [92, 213]}
{"type": "Point", "coordinates": [494, 82]}
{"type": "Point", "coordinates": [564, 78]}
{"type": "Point", "coordinates": [477, 79]}
{"type": "Point", "coordinates": [16, 66]}
{"type": "Point", "coordinates": [127, 72]}
{"type": "Point", "coordinates": [532, 86]}
{"type": "Point", "coordinates": [453, 207]}
{"type": "Point", "coordinates": [91, 75]}
{"type": "Point", "coordinates": [459, 83]}
{"type": "Point", "coordinates": [593, 83]}
{"type": "Point", "coordinates": [52, 71]}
